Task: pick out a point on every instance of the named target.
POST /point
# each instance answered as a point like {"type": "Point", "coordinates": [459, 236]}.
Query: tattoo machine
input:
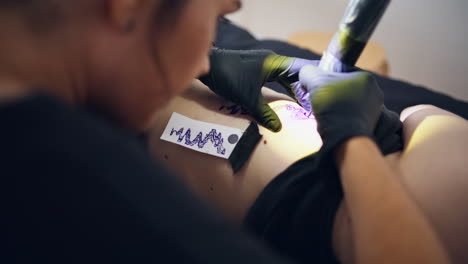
{"type": "Point", "coordinates": [356, 27]}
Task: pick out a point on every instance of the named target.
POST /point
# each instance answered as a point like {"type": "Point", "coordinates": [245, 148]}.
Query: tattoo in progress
{"type": "Point", "coordinates": [298, 113]}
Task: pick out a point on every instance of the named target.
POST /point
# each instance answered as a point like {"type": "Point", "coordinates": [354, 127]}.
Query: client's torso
{"type": "Point", "coordinates": [211, 177]}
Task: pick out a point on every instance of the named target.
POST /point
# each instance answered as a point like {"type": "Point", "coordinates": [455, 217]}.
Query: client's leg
{"type": "Point", "coordinates": [433, 168]}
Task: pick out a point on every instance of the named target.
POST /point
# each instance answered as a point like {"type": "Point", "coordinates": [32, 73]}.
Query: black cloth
{"type": "Point", "coordinates": [295, 213]}
{"type": "Point", "coordinates": [398, 94]}
{"type": "Point", "coordinates": [74, 189]}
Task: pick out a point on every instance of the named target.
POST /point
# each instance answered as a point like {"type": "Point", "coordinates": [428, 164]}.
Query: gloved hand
{"type": "Point", "coordinates": [388, 132]}
{"type": "Point", "coordinates": [345, 104]}
{"type": "Point", "coordinates": [301, 94]}
{"type": "Point", "coordinates": [239, 76]}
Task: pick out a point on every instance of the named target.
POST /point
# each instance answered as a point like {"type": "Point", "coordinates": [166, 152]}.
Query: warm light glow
{"type": "Point", "coordinates": [430, 127]}
{"type": "Point", "coordinates": [299, 136]}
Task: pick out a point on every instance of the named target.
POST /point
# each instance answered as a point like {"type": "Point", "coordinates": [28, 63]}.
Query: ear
{"type": "Point", "coordinates": [123, 14]}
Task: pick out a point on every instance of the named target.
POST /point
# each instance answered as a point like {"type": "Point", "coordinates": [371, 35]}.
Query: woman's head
{"type": "Point", "coordinates": [123, 57]}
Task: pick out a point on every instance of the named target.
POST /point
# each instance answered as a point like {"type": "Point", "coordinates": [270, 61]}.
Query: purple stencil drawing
{"type": "Point", "coordinates": [298, 113]}
{"type": "Point", "coordinates": [213, 137]}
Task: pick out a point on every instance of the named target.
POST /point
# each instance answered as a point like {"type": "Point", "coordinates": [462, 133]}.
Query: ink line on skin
{"type": "Point", "coordinates": [295, 112]}
{"type": "Point", "coordinates": [233, 109]}
{"type": "Point", "coordinates": [298, 113]}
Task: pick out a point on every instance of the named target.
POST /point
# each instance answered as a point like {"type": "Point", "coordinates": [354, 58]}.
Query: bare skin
{"type": "Point", "coordinates": [436, 140]}
{"type": "Point", "coordinates": [234, 194]}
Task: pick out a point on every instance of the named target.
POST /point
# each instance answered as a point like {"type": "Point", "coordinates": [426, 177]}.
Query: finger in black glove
{"type": "Point", "coordinates": [239, 76]}
{"type": "Point", "coordinates": [388, 132]}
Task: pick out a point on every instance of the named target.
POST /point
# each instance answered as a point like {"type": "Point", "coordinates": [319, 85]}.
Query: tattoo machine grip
{"type": "Point", "coordinates": [357, 25]}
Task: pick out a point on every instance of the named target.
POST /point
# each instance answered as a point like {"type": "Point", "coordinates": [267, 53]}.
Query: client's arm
{"type": "Point", "coordinates": [347, 108]}
{"type": "Point", "coordinates": [387, 225]}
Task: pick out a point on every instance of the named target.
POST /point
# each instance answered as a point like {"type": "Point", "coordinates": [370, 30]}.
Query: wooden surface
{"type": "Point", "coordinates": [372, 59]}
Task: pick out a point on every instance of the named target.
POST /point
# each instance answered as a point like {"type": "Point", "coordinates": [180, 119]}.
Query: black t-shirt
{"type": "Point", "coordinates": [295, 213]}
{"type": "Point", "coordinates": [74, 189]}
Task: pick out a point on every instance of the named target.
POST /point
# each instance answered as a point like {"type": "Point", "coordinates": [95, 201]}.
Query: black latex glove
{"type": "Point", "coordinates": [388, 132]}
{"type": "Point", "coordinates": [345, 104]}
{"type": "Point", "coordinates": [239, 76]}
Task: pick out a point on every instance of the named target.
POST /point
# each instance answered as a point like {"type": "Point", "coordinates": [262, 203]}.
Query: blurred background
{"type": "Point", "coordinates": [426, 41]}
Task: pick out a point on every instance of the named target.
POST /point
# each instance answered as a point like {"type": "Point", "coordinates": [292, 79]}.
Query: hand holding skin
{"type": "Point", "coordinates": [239, 76]}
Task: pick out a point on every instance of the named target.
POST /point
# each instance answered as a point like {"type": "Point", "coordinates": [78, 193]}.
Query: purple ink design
{"type": "Point", "coordinates": [298, 113]}
{"type": "Point", "coordinates": [213, 137]}
{"type": "Point", "coordinates": [234, 109]}
{"type": "Point", "coordinates": [302, 95]}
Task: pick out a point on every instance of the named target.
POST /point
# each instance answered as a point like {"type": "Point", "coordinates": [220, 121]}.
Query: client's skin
{"type": "Point", "coordinates": [420, 166]}
{"type": "Point", "coordinates": [234, 194]}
